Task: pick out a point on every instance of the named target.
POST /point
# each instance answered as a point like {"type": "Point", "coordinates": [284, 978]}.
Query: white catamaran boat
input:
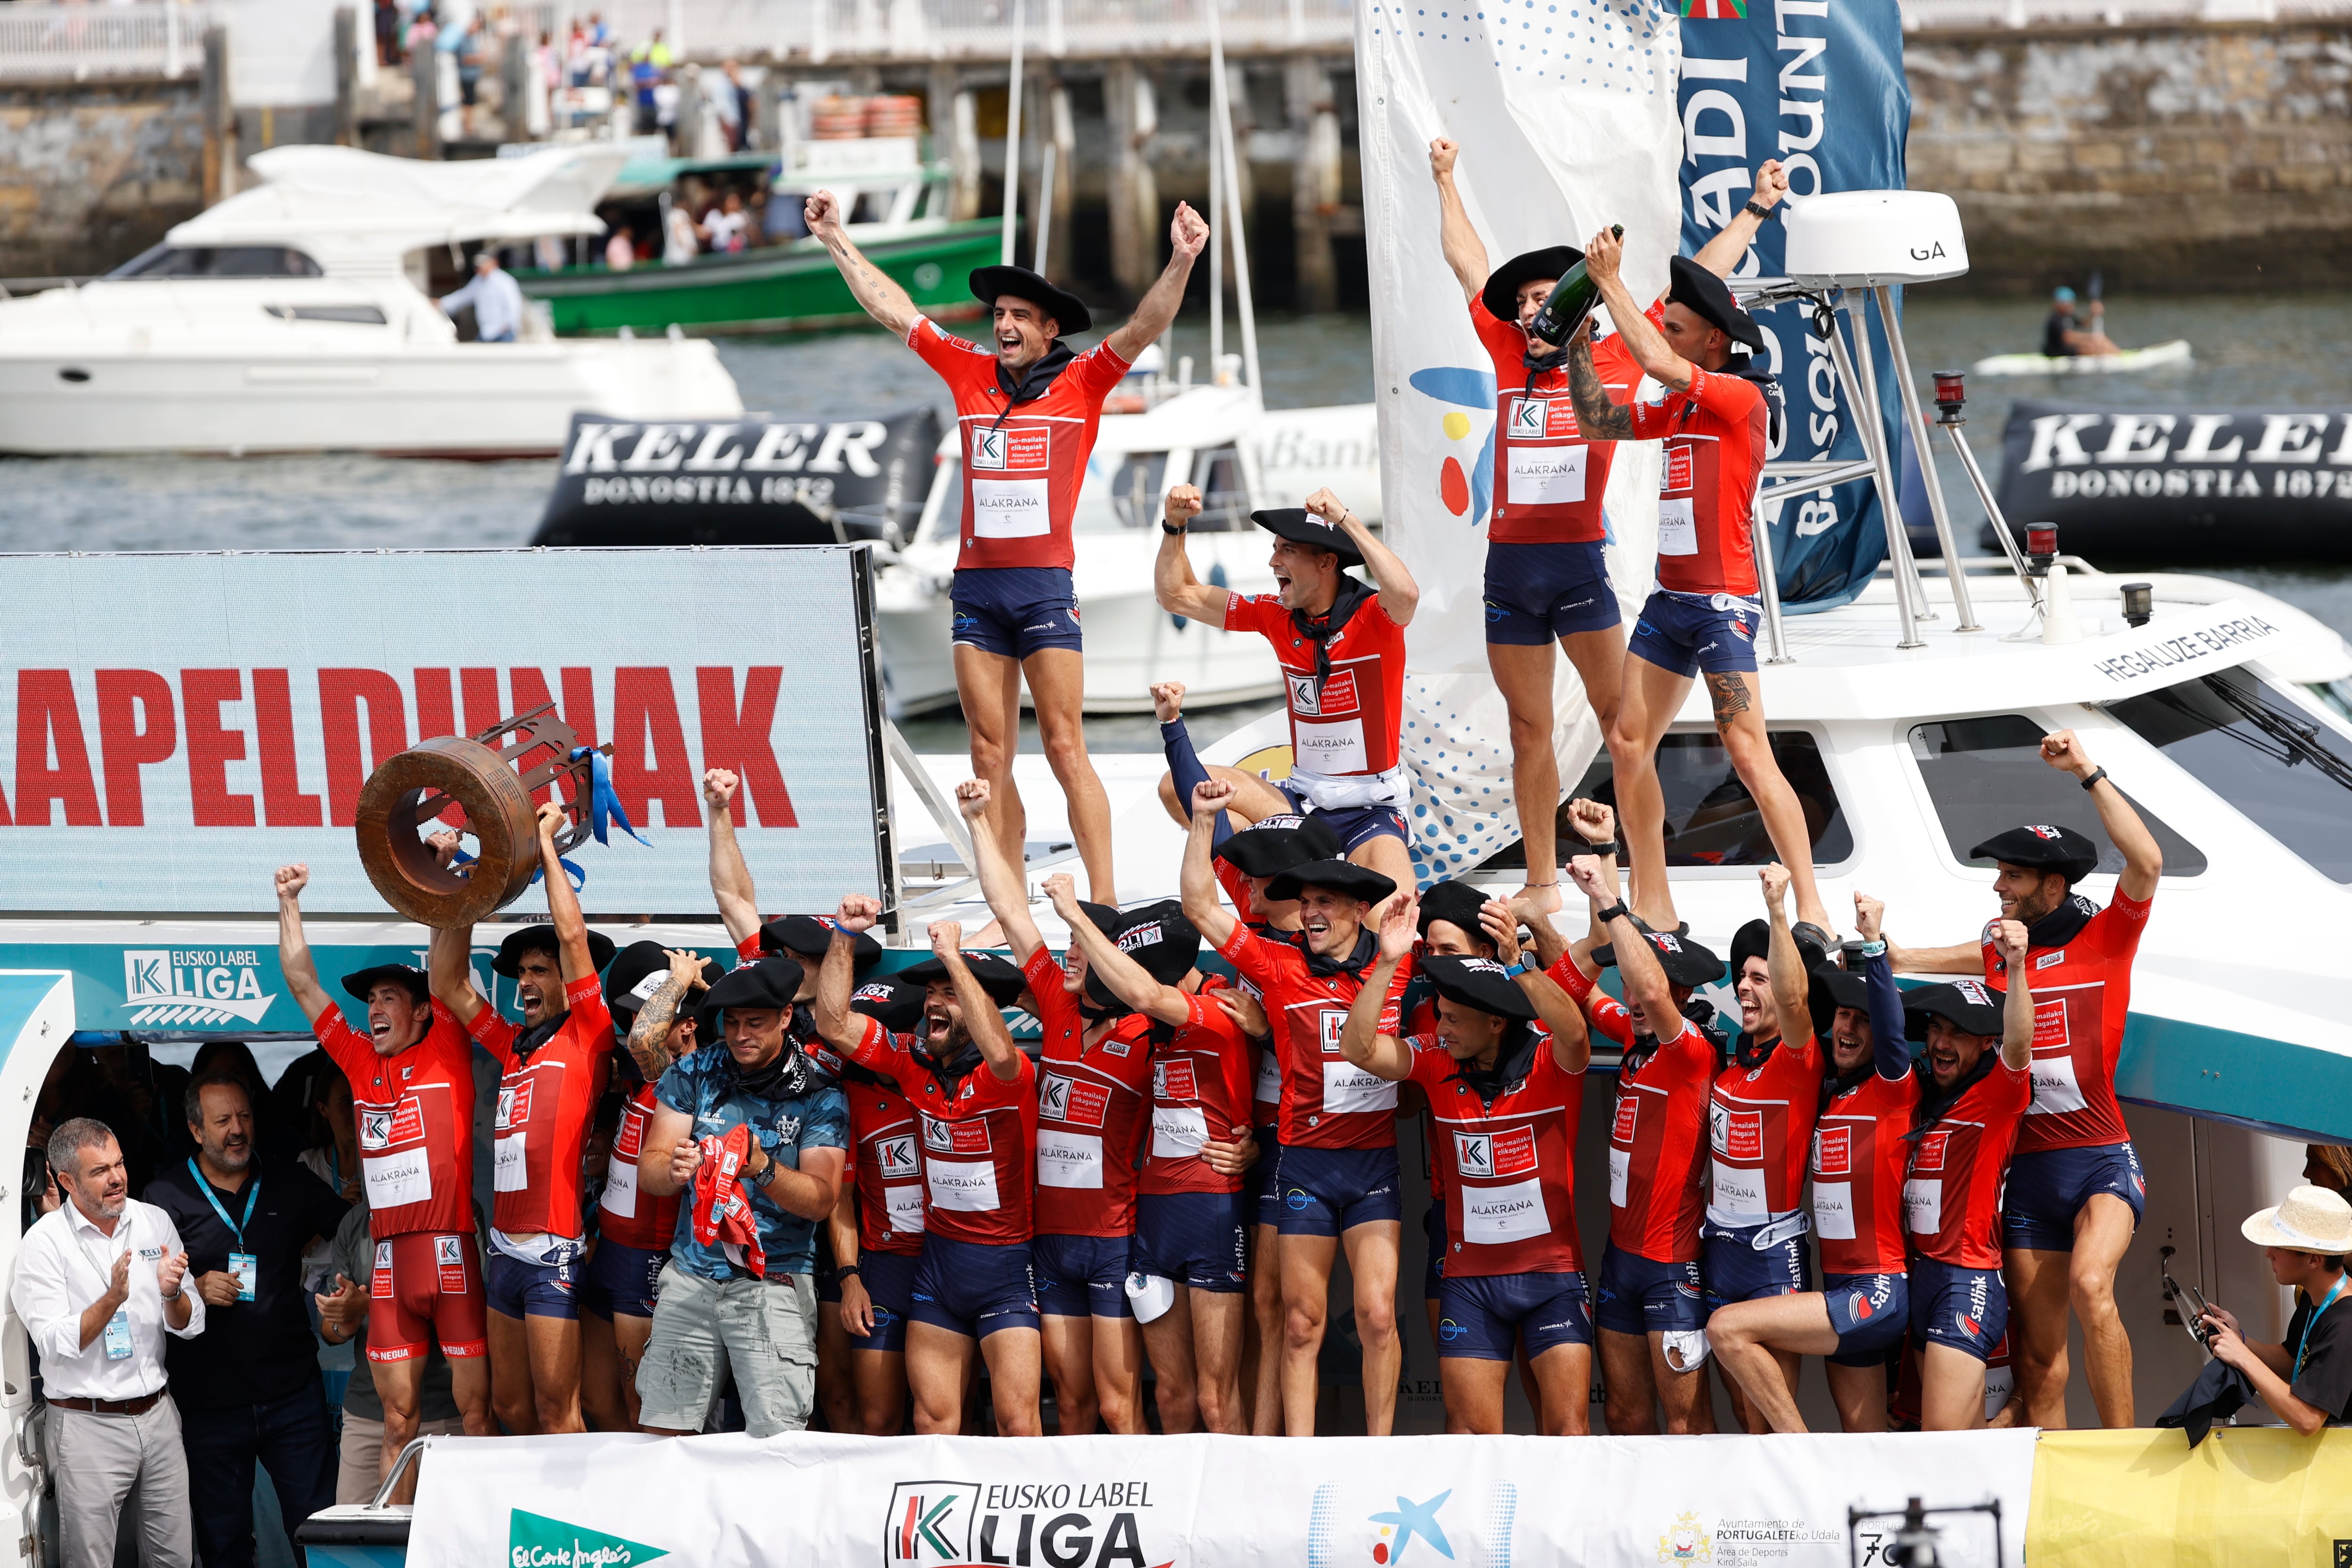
{"type": "Point", "coordinates": [293, 317]}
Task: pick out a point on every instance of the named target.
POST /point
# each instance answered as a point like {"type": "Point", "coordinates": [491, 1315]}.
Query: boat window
{"type": "Point", "coordinates": [1224, 496]}
{"type": "Point", "coordinates": [168, 261]}
{"type": "Point", "coordinates": [1986, 776]}
{"type": "Point", "coordinates": [2257, 749]}
{"type": "Point", "coordinates": [353, 315]}
{"type": "Point", "coordinates": [1122, 491]}
{"type": "Point", "coordinates": [1711, 819]}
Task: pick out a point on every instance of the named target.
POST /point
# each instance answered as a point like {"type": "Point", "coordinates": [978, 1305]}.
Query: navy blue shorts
{"type": "Point", "coordinates": [1082, 1275]}
{"type": "Point", "coordinates": [1326, 1192]}
{"type": "Point", "coordinates": [1484, 1316]}
{"type": "Point", "coordinates": [1432, 1232]}
{"type": "Point", "coordinates": [1357, 825]}
{"type": "Point", "coordinates": [889, 1279]}
{"type": "Point", "coordinates": [1966, 1309]}
{"type": "Point", "coordinates": [519, 1289]}
{"type": "Point", "coordinates": [1198, 1239]}
{"type": "Point", "coordinates": [1870, 1313]}
{"type": "Point", "coordinates": [1736, 1271]}
{"type": "Point", "coordinates": [2049, 1187]}
{"type": "Point", "coordinates": [1536, 593]}
{"type": "Point", "coordinates": [620, 1280]}
{"type": "Point", "coordinates": [1641, 1297]}
{"type": "Point", "coordinates": [1687, 632]}
{"type": "Point", "coordinates": [973, 1288]}
{"type": "Point", "coordinates": [1013, 610]}
{"type": "Point", "coordinates": [1265, 1193]}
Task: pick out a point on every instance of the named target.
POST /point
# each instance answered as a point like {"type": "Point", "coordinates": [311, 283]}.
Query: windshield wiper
{"type": "Point", "coordinates": [2298, 742]}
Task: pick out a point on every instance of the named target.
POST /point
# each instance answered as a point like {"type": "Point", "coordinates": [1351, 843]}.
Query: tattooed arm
{"type": "Point", "coordinates": [884, 300]}
{"type": "Point", "coordinates": [649, 1036]}
{"type": "Point", "coordinates": [1599, 418]}
{"type": "Point", "coordinates": [1648, 345]}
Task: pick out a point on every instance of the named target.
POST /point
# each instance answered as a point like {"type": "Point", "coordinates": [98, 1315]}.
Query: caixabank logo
{"type": "Point", "coordinates": [1398, 1531]}
{"type": "Point", "coordinates": [1049, 1524]}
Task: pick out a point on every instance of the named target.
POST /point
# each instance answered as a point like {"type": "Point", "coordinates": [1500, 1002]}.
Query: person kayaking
{"type": "Point", "coordinates": [2062, 338]}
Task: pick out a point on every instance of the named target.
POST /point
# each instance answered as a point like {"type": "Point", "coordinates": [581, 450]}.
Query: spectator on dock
{"type": "Point", "coordinates": [495, 296]}
{"type": "Point", "coordinates": [2307, 1377]}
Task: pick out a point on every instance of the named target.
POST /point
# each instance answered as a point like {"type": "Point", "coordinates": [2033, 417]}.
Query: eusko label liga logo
{"type": "Point", "coordinates": [1051, 1524]}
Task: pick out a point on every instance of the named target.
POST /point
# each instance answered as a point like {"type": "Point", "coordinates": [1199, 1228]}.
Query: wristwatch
{"type": "Point", "coordinates": [2094, 778]}
{"type": "Point", "coordinates": [1764, 215]}
{"type": "Point", "coordinates": [1614, 912]}
{"type": "Point", "coordinates": [1513, 970]}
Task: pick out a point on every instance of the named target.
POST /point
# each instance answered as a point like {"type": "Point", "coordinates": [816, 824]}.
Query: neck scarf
{"type": "Point", "coordinates": [1512, 1063]}
{"type": "Point", "coordinates": [538, 1035]}
{"type": "Point", "coordinates": [786, 1077]}
{"type": "Point", "coordinates": [1368, 946]}
{"type": "Point", "coordinates": [2063, 924]}
{"type": "Point", "coordinates": [1934, 1102]}
{"type": "Point", "coordinates": [1320, 630]}
{"type": "Point", "coordinates": [1035, 382]}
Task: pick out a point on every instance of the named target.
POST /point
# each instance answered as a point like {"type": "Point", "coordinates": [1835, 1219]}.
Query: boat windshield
{"type": "Point", "coordinates": [1986, 775]}
{"type": "Point", "coordinates": [1711, 819]}
{"type": "Point", "coordinates": [174, 261]}
{"type": "Point", "coordinates": [2260, 751]}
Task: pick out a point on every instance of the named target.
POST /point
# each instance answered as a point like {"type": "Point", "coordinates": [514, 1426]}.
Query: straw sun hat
{"type": "Point", "coordinates": [2313, 1219]}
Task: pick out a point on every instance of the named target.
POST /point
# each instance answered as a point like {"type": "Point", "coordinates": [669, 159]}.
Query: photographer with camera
{"type": "Point", "coordinates": [2307, 1377]}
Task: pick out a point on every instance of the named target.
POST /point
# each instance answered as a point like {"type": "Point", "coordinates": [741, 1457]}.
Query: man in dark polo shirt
{"type": "Point", "coordinates": [249, 1389]}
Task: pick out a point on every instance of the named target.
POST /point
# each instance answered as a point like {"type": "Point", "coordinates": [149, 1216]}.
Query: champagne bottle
{"type": "Point", "coordinates": [1572, 299]}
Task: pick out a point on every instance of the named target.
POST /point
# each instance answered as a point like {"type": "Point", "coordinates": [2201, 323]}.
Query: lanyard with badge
{"type": "Point", "coordinates": [242, 1266]}
{"type": "Point", "coordinates": [117, 1333]}
{"type": "Point", "coordinates": [2311, 1321]}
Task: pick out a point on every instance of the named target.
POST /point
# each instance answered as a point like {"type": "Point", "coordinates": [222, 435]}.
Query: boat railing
{"type": "Point", "coordinates": [44, 42]}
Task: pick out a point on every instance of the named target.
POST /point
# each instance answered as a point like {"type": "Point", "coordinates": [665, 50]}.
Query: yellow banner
{"type": "Point", "coordinates": [2144, 1499]}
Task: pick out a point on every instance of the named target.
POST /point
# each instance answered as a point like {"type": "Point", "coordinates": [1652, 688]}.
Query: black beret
{"type": "Point", "coordinates": [2040, 848]}
{"type": "Point", "coordinates": [1457, 903]}
{"type": "Point", "coordinates": [1685, 961]}
{"type": "Point", "coordinates": [1972, 1006]}
{"type": "Point", "coordinates": [1162, 942]}
{"type": "Point", "coordinates": [772, 983]}
{"type": "Point", "coordinates": [1829, 988]}
{"type": "Point", "coordinates": [1501, 294]}
{"type": "Point", "coordinates": [1303, 527]}
{"type": "Point", "coordinates": [540, 937]}
{"type": "Point", "coordinates": [1694, 287]}
{"type": "Point", "coordinates": [1754, 939]}
{"type": "Point", "coordinates": [1339, 876]}
{"type": "Point", "coordinates": [638, 970]}
{"type": "Point", "coordinates": [998, 977]}
{"type": "Point", "coordinates": [898, 1007]}
{"type": "Point", "coordinates": [1479, 983]}
{"type": "Point", "coordinates": [1272, 845]}
{"type": "Point", "coordinates": [809, 935]}
{"type": "Point", "coordinates": [363, 981]}
{"type": "Point", "coordinates": [1069, 312]}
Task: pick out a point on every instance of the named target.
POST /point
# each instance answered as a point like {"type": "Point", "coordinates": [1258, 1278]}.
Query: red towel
{"type": "Point", "coordinates": [722, 1210]}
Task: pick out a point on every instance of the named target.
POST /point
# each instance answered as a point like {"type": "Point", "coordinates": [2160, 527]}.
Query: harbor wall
{"type": "Point", "coordinates": [93, 172]}
{"type": "Point", "coordinates": [2173, 156]}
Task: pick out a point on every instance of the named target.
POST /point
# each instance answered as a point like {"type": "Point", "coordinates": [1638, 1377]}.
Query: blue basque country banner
{"type": "Point", "coordinates": [1818, 85]}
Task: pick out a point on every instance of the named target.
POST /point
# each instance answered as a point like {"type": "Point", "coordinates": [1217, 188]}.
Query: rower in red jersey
{"type": "Point", "coordinates": [1341, 645]}
{"type": "Point", "coordinates": [2076, 1191]}
{"type": "Point", "coordinates": [1868, 1094]}
{"type": "Point", "coordinates": [1714, 419]}
{"type": "Point", "coordinates": [555, 1068]}
{"type": "Point", "coordinates": [1547, 579]}
{"type": "Point", "coordinates": [1094, 1089]}
{"type": "Point", "coordinates": [1336, 1163]}
{"type": "Point", "coordinates": [1760, 1123]}
{"type": "Point", "coordinates": [1652, 1308]}
{"type": "Point", "coordinates": [1505, 1097]}
{"type": "Point", "coordinates": [648, 989]}
{"type": "Point", "coordinates": [1190, 1254]}
{"type": "Point", "coordinates": [411, 1078]}
{"type": "Point", "coordinates": [877, 1226]}
{"type": "Point", "coordinates": [1026, 408]}
{"type": "Point", "coordinates": [1979, 1061]}
{"type": "Point", "coordinates": [975, 1098]}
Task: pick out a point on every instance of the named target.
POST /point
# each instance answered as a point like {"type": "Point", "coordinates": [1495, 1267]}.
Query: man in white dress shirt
{"type": "Point", "coordinates": [495, 296]}
{"type": "Point", "coordinates": [99, 1280]}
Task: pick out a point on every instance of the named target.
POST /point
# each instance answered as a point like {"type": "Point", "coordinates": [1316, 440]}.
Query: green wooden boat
{"type": "Point", "coordinates": [898, 206]}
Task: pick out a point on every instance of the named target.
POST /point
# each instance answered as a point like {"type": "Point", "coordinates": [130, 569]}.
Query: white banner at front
{"type": "Point", "coordinates": [1567, 123]}
{"type": "Point", "coordinates": [599, 1501]}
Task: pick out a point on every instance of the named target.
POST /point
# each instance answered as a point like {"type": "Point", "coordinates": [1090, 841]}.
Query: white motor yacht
{"type": "Point", "coordinates": [293, 317]}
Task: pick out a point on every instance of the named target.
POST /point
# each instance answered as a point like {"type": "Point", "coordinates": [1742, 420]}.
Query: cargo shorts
{"type": "Point", "coordinates": [763, 1331]}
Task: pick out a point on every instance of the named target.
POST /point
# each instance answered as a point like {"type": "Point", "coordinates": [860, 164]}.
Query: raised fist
{"type": "Point", "coordinates": [1211, 794]}
{"type": "Point", "coordinates": [971, 799]}
{"type": "Point", "coordinates": [1182, 505]}
{"type": "Point", "coordinates": [717, 786]}
{"type": "Point", "coordinates": [1594, 823]}
{"type": "Point", "coordinates": [1868, 915]}
{"type": "Point", "coordinates": [1168, 700]}
{"type": "Point", "coordinates": [1326, 506]}
{"type": "Point", "coordinates": [291, 880]}
{"type": "Point", "coordinates": [2064, 752]}
{"type": "Point", "coordinates": [1442, 153]}
{"type": "Point", "coordinates": [822, 212]}
{"type": "Point", "coordinates": [1188, 231]}
{"type": "Point", "coordinates": [859, 912]}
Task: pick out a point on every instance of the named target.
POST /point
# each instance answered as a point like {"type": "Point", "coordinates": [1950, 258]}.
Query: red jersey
{"type": "Point", "coordinates": [1952, 1190]}
{"type": "Point", "coordinates": [887, 1169]}
{"type": "Point", "coordinates": [1021, 469]}
{"type": "Point", "coordinates": [979, 1141]}
{"type": "Point", "coordinates": [1860, 1154]}
{"type": "Point", "coordinates": [1237, 888]}
{"type": "Point", "coordinates": [1201, 1086]}
{"type": "Point", "coordinates": [1092, 1109]}
{"type": "Point", "coordinates": [1715, 436]}
{"type": "Point", "coordinates": [1328, 1101]}
{"type": "Point", "coordinates": [625, 1213]}
{"type": "Point", "coordinates": [1609, 1018]}
{"type": "Point", "coordinates": [545, 1105]}
{"type": "Point", "coordinates": [1345, 725]}
{"type": "Point", "coordinates": [2082, 998]}
{"type": "Point", "coordinates": [1759, 1120]}
{"type": "Point", "coordinates": [1548, 478]}
{"type": "Point", "coordinates": [1657, 1150]}
{"type": "Point", "coordinates": [1509, 1166]}
{"type": "Point", "coordinates": [416, 1119]}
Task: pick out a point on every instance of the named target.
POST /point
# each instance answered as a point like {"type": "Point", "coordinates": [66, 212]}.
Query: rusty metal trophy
{"type": "Point", "coordinates": [492, 793]}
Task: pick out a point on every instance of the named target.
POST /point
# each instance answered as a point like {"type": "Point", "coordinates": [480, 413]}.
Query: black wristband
{"type": "Point", "coordinates": [2094, 778]}
{"type": "Point", "coordinates": [843, 1271]}
{"type": "Point", "coordinates": [1763, 214]}
{"type": "Point", "coordinates": [1173, 531]}
{"type": "Point", "coordinates": [1614, 912]}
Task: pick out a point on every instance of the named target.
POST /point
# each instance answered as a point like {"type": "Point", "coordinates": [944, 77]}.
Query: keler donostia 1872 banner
{"type": "Point", "coordinates": [600, 1501]}
{"type": "Point", "coordinates": [171, 727]}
